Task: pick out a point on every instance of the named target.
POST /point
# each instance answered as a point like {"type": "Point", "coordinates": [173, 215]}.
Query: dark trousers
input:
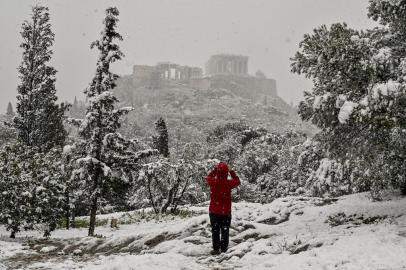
{"type": "Point", "coordinates": [220, 224]}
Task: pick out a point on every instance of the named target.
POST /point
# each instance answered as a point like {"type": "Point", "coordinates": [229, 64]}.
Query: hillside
{"type": "Point", "coordinates": [350, 232]}
{"type": "Point", "coordinates": [190, 111]}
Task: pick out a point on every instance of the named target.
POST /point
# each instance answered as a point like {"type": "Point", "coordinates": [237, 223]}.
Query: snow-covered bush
{"type": "Point", "coordinates": [328, 179]}
{"type": "Point", "coordinates": [163, 184]}
{"type": "Point", "coordinates": [32, 188]}
{"type": "Point", "coordinates": [228, 150]}
{"type": "Point", "coordinates": [265, 161]}
{"type": "Point", "coordinates": [258, 158]}
{"type": "Point", "coordinates": [277, 173]}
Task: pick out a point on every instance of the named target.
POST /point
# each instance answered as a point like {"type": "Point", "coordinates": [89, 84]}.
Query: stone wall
{"type": "Point", "coordinates": [248, 87]}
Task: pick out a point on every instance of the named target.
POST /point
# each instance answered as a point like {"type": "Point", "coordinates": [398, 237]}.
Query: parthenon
{"type": "Point", "coordinates": [227, 64]}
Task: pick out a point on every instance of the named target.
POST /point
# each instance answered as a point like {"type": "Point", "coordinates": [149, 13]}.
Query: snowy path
{"type": "Point", "coordinates": [290, 233]}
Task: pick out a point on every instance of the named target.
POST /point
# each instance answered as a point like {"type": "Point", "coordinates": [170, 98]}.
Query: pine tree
{"type": "Point", "coordinates": [10, 111]}
{"type": "Point", "coordinates": [39, 120]}
{"type": "Point", "coordinates": [100, 150]}
{"type": "Point", "coordinates": [161, 140]}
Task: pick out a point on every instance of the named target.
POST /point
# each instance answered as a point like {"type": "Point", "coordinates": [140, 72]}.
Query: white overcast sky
{"type": "Point", "coordinates": [180, 31]}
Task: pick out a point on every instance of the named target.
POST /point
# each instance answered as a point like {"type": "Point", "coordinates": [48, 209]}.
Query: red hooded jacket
{"type": "Point", "coordinates": [220, 189]}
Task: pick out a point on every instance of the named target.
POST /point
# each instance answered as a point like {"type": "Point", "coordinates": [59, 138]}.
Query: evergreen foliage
{"type": "Point", "coordinates": [39, 120]}
{"type": "Point", "coordinates": [31, 182]}
{"type": "Point", "coordinates": [31, 185]}
{"type": "Point", "coordinates": [160, 141]}
{"type": "Point", "coordinates": [10, 111]}
{"type": "Point", "coordinates": [101, 155]}
{"type": "Point", "coordinates": [358, 101]}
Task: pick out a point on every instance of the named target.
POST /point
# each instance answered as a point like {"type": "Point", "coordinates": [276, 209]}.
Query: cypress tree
{"type": "Point", "coordinates": [161, 140]}
{"type": "Point", "coordinates": [100, 149]}
{"type": "Point", "coordinates": [10, 111]}
{"type": "Point", "coordinates": [31, 183]}
{"type": "Point", "coordinates": [39, 120]}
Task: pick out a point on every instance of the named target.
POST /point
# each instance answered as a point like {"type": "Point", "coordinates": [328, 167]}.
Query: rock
{"type": "Point", "coordinates": [77, 252]}
{"type": "Point", "coordinates": [155, 240]}
{"type": "Point", "coordinates": [247, 226]}
{"type": "Point", "coordinates": [274, 220]}
{"type": "Point", "coordinates": [48, 249]}
{"type": "Point", "coordinates": [300, 248]}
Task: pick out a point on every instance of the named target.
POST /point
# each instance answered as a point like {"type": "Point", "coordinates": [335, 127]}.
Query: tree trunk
{"type": "Point", "coordinates": [67, 211]}
{"type": "Point", "coordinates": [93, 210]}
{"type": "Point", "coordinates": [169, 199]}
{"type": "Point", "coordinates": [177, 199]}
{"type": "Point", "coordinates": [73, 219]}
{"type": "Point", "coordinates": [151, 198]}
{"type": "Point", "coordinates": [13, 234]}
{"type": "Point", "coordinates": [403, 189]}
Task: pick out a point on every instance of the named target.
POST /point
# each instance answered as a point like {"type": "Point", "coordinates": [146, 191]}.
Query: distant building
{"type": "Point", "coordinates": [167, 71]}
{"type": "Point", "coordinates": [171, 71]}
{"type": "Point", "coordinates": [143, 71]}
{"type": "Point", "coordinates": [226, 71]}
{"type": "Point", "coordinates": [227, 64]}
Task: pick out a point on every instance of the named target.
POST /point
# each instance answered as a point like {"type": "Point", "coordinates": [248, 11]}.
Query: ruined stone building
{"type": "Point", "coordinates": [226, 71]}
{"type": "Point", "coordinates": [171, 71]}
{"type": "Point", "coordinates": [230, 71]}
{"type": "Point", "coordinates": [227, 64]}
{"type": "Point", "coordinates": [167, 71]}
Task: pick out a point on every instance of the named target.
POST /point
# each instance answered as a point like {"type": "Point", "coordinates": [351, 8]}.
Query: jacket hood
{"type": "Point", "coordinates": [222, 170]}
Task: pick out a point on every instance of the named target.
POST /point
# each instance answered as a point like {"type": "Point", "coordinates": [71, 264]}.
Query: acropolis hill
{"type": "Point", "coordinates": [193, 101]}
{"type": "Point", "coordinates": [225, 71]}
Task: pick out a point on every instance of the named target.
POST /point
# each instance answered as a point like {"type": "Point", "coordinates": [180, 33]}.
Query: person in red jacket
{"type": "Point", "coordinates": [220, 205]}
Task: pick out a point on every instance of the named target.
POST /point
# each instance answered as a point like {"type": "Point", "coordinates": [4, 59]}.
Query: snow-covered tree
{"type": "Point", "coordinates": [31, 182]}
{"type": "Point", "coordinates": [10, 111]}
{"type": "Point", "coordinates": [164, 184]}
{"type": "Point", "coordinates": [39, 120]}
{"type": "Point", "coordinates": [359, 99]}
{"type": "Point", "coordinates": [101, 151]}
{"type": "Point", "coordinates": [161, 139]}
{"type": "Point", "coordinates": [7, 133]}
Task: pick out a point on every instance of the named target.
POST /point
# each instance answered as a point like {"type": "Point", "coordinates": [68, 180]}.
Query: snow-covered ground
{"type": "Point", "coordinates": [290, 233]}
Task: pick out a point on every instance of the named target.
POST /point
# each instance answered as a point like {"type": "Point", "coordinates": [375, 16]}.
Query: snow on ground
{"type": "Point", "coordinates": [290, 233]}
